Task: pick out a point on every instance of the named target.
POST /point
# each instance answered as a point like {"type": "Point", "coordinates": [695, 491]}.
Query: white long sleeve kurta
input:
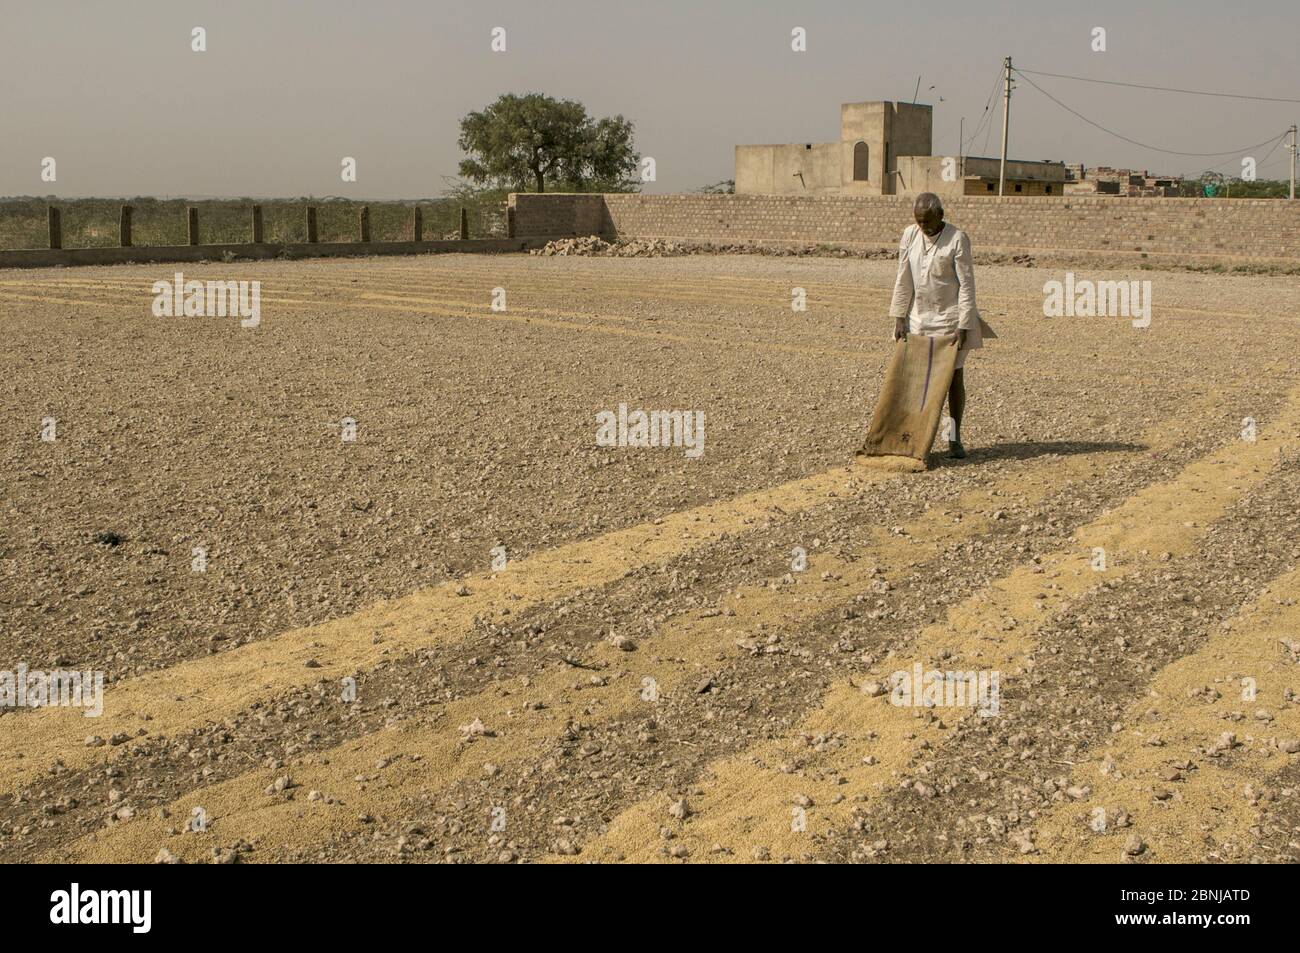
{"type": "Point", "coordinates": [935, 285]}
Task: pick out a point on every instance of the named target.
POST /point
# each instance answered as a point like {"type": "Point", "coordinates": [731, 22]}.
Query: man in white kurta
{"type": "Point", "coordinates": [934, 295]}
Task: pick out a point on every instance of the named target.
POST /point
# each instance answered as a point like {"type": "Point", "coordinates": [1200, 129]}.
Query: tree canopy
{"type": "Point", "coordinates": [536, 141]}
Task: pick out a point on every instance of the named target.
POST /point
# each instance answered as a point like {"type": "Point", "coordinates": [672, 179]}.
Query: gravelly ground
{"type": "Point", "coordinates": [476, 429]}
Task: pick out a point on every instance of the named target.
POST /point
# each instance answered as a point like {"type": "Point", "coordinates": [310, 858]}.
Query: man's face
{"type": "Point", "coordinates": [930, 220]}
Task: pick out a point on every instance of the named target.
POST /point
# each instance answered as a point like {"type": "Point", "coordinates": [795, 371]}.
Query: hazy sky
{"type": "Point", "coordinates": [287, 88]}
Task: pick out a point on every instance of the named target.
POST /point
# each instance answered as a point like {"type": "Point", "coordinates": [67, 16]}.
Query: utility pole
{"type": "Point", "coordinates": [1293, 162]}
{"type": "Point", "coordinates": [1006, 117]}
{"type": "Point", "coordinates": [961, 149]}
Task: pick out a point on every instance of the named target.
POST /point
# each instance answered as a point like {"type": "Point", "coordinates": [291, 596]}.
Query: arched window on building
{"type": "Point", "coordinates": [861, 162]}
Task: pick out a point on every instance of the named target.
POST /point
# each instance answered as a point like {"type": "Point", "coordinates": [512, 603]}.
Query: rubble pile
{"type": "Point", "coordinates": [595, 246]}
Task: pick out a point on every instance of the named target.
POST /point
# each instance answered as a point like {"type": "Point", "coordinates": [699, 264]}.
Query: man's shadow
{"type": "Point", "coordinates": [1028, 450]}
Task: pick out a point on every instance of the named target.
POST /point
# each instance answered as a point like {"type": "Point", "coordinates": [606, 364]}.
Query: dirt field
{"type": "Point", "coordinates": [653, 674]}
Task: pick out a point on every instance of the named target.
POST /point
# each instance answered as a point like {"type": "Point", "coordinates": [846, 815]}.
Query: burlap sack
{"type": "Point", "coordinates": [910, 403]}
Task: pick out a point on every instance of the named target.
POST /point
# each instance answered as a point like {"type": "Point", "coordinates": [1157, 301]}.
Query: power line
{"type": "Point", "coordinates": [1262, 162]}
{"type": "Point", "coordinates": [1173, 152]}
{"type": "Point", "coordinates": [1002, 103]}
{"type": "Point", "coordinates": [1163, 89]}
{"type": "Point", "coordinates": [985, 116]}
{"type": "Point", "coordinates": [986, 120]}
{"type": "Point", "coordinates": [979, 126]}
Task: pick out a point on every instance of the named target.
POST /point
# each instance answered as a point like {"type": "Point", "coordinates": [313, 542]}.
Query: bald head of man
{"type": "Point", "coordinates": [928, 211]}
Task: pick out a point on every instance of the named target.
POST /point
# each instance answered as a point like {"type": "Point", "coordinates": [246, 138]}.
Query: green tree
{"type": "Point", "coordinates": [538, 140]}
{"type": "Point", "coordinates": [1231, 187]}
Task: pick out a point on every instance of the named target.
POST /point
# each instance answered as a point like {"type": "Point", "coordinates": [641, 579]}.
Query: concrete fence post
{"type": "Point", "coordinates": [311, 224]}
{"type": "Point", "coordinates": [365, 223]}
{"type": "Point", "coordinates": [257, 225]}
{"type": "Point", "coordinates": [56, 228]}
{"type": "Point", "coordinates": [417, 226]}
{"type": "Point", "coordinates": [124, 227]}
{"type": "Point", "coordinates": [193, 224]}
{"type": "Point", "coordinates": [464, 223]}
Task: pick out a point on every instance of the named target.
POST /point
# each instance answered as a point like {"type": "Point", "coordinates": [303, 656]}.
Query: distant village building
{"type": "Point", "coordinates": [1104, 180]}
{"type": "Point", "coordinates": [884, 149]}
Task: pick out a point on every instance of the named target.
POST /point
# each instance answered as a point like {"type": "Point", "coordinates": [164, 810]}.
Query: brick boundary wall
{"type": "Point", "coordinates": [1233, 230]}
{"type": "Point", "coordinates": [68, 257]}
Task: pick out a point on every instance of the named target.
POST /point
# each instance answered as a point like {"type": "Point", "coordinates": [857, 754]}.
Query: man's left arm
{"type": "Point", "coordinates": [967, 313]}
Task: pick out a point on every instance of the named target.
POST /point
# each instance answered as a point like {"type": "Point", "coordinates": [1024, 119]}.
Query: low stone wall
{"type": "Point", "coordinates": [51, 257]}
{"type": "Point", "coordinates": [1174, 230]}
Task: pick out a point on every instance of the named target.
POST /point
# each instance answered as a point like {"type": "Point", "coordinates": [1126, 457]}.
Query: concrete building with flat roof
{"type": "Point", "coordinates": [861, 162]}
{"type": "Point", "coordinates": [884, 149]}
{"type": "Point", "coordinates": [975, 175]}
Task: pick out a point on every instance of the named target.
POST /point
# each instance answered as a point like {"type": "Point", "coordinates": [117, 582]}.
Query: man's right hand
{"type": "Point", "coordinates": [900, 329]}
